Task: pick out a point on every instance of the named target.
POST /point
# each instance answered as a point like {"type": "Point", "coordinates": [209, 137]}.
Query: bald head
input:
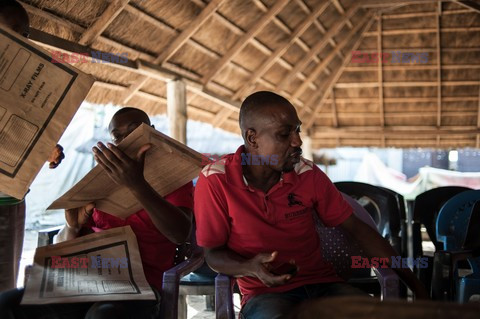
{"type": "Point", "coordinates": [14, 17]}
{"type": "Point", "coordinates": [125, 121]}
{"type": "Point", "coordinates": [260, 108]}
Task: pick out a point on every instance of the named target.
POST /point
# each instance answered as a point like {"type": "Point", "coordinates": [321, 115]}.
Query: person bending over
{"type": "Point", "coordinates": [159, 226]}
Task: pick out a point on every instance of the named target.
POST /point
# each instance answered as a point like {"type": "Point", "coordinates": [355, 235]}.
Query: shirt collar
{"type": "Point", "coordinates": [235, 173]}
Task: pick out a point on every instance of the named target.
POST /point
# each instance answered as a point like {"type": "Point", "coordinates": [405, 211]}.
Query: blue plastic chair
{"type": "Point", "coordinates": [456, 223]}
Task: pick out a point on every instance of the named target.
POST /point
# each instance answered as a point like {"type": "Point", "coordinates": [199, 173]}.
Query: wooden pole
{"type": "Point", "coordinates": [177, 109]}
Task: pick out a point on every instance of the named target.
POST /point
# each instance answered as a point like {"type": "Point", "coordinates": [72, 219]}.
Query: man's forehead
{"type": "Point", "coordinates": [124, 120]}
{"type": "Point", "coordinates": [282, 116]}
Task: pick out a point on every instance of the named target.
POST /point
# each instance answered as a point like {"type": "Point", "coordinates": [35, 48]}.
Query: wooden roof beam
{"type": "Point", "coordinates": [96, 29]}
{"type": "Point", "coordinates": [133, 89]}
{"type": "Point", "coordinates": [415, 114]}
{"type": "Point", "coordinates": [273, 58]}
{"type": "Point", "coordinates": [370, 100]}
{"type": "Point", "coordinates": [380, 71]}
{"type": "Point", "coordinates": [423, 14]}
{"type": "Point", "coordinates": [189, 31]}
{"type": "Point", "coordinates": [317, 47]}
{"type": "Point", "coordinates": [472, 5]}
{"type": "Point", "coordinates": [478, 111]}
{"type": "Point", "coordinates": [244, 40]}
{"type": "Point", "coordinates": [319, 26]}
{"type": "Point", "coordinates": [403, 67]}
{"type": "Point", "coordinates": [403, 84]}
{"type": "Point", "coordinates": [334, 108]}
{"type": "Point", "coordinates": [389, 3]}
{"type": "Point", "coordinates": [413, 132]}
{"type": "Point", "coordinates": [439, 65]}
{"type": "Point", "coordinates": [424, 30]}
{"type": "Point", "coordinates": [138, 66]}
{"type": "Point", "coordinates": [329, 83]}
{"type": "Point", "coordinates": [341, 10]}
{"type": "Point", "coordinates": [351, 37]}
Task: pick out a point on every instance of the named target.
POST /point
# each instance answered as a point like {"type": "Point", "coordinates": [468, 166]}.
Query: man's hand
{"type": "Point", "coordinates": [122, 169]}
{"type": "Point", "coordinates": [56, 156]}
{"type": "Point", "coordinates": [77, 217]}
{"type": "Point", "coordinates": [261, 267]}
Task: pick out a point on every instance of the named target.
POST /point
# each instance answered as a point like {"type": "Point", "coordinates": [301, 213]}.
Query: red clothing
{"type": "Point", "coordinates": [156, 251]}
{"type": "Point", "coordinates": [229, 212]}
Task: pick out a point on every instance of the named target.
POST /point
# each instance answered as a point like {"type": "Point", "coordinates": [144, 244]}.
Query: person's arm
{"type": "Point", "coordinates": [75, 219]}
{"type": "Point", "coordinates": [374, 245]}
{"type": "Point", "coordinates": [225, 261]}
{"type": "Point", "coordinates": [173, 222]}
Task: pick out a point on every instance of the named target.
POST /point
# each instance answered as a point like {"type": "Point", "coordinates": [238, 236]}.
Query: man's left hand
{"type": "Point", "coordinates": [120, 167]}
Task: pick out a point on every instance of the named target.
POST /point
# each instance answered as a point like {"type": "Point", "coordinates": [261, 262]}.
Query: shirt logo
{"type": "Point", "coordinates": [292, 201]}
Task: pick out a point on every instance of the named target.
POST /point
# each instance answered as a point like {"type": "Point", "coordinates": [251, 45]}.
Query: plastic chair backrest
{"type": "Point", "coordinates": [381, 204]}
{"type": "Point", "coordinates": [472, 239]}
{"type": "Point", "coordinates": [453, 218]}
{"type": "Point", "coordinates": [338, 249]}
{"type": "Point", "coordinates": [426, 208]}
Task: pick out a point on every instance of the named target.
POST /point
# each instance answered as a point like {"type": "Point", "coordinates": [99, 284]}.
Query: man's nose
{"type": "Point", "coordinates": [297, 140]}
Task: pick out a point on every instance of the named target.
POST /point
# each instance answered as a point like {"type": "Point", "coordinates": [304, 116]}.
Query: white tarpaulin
{"type": "Point", "coordinates": [374, 171]}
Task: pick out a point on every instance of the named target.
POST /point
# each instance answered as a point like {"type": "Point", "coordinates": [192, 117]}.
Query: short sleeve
{"type": "Point", "coordinates": [211, 213]}
{"type": "Point", "coordinates": [182, 197]}
{"type": "Point", "coordinates": [330, 204]}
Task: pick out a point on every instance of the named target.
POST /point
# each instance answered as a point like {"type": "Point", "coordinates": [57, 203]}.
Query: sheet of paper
{"type": "Point", "coordinates": [169, 165]}
{"type": "Point", "coordinates": [38, 99]}
{"type": "Point", "coordinates": [98, 267]}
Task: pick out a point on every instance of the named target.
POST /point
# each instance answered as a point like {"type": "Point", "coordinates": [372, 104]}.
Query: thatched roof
{"type": "Point", "coordinates": [226, 49]}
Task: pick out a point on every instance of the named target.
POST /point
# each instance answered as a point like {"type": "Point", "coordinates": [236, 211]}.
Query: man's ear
{"type": "Point", "coordinates": [251, 137]}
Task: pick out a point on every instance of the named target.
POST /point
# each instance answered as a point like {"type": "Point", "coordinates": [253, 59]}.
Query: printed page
{"type": "Point", "coordinates": [98, 267]}
{"type": "Point", "coordinates": [38, 99]}
{"type": "Point", "coordinates": [169, 165]}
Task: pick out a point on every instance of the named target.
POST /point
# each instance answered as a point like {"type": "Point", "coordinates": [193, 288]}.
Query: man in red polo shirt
{"type": "Point", "coordinates": [163, 223]}
{"type": "Point", "coordinates": [254, 215]}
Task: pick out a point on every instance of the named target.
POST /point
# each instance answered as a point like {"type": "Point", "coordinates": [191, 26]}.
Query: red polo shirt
{"type": "Point", "coordinates": [156, 251]}
{"type": "Point", "coordinates": [229, 212]}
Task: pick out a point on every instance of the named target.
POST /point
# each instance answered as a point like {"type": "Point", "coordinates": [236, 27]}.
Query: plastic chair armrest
{"type": "Point", "coordinates": [171, 281]}
{"type": "Point", "coordinates": [389, 283]}
{"type": "Point", "coordinates": [224, 297]}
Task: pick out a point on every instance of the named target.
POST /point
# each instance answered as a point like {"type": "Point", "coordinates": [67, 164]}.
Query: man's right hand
{"type": "Point", "coordinates": [77, 217]}
{"type": "Point", "coordinates": [261, 266]}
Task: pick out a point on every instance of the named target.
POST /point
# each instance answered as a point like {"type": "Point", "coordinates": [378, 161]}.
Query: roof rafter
{"type": "Point", "coordinates": [317, 47]}
{"type": "Point", "coordinates": [186, 34]}
{"type": "Point", "coordinates": [139, 67]}
{"type": "Point", "coordinates": [472, 5]}
{"type": "Point", "coordinates": [244, 40]}
{"type": "Point", "coordinates": [341, 10]}
{"type": "Point", "coordinates": [380, 70]}
{"type": "Point", "coordinates": [272, 59]}
{"type": "Point", "coordinates": [320, 27]}
{"type": "Point", "coordinates": [329, 83]}
{"type": "Point", "coordinates": [439, 65]}
{"type": "Point", "coordinates": [319, 67]}
{"type": "Point", "coordinates": [107, 17]}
